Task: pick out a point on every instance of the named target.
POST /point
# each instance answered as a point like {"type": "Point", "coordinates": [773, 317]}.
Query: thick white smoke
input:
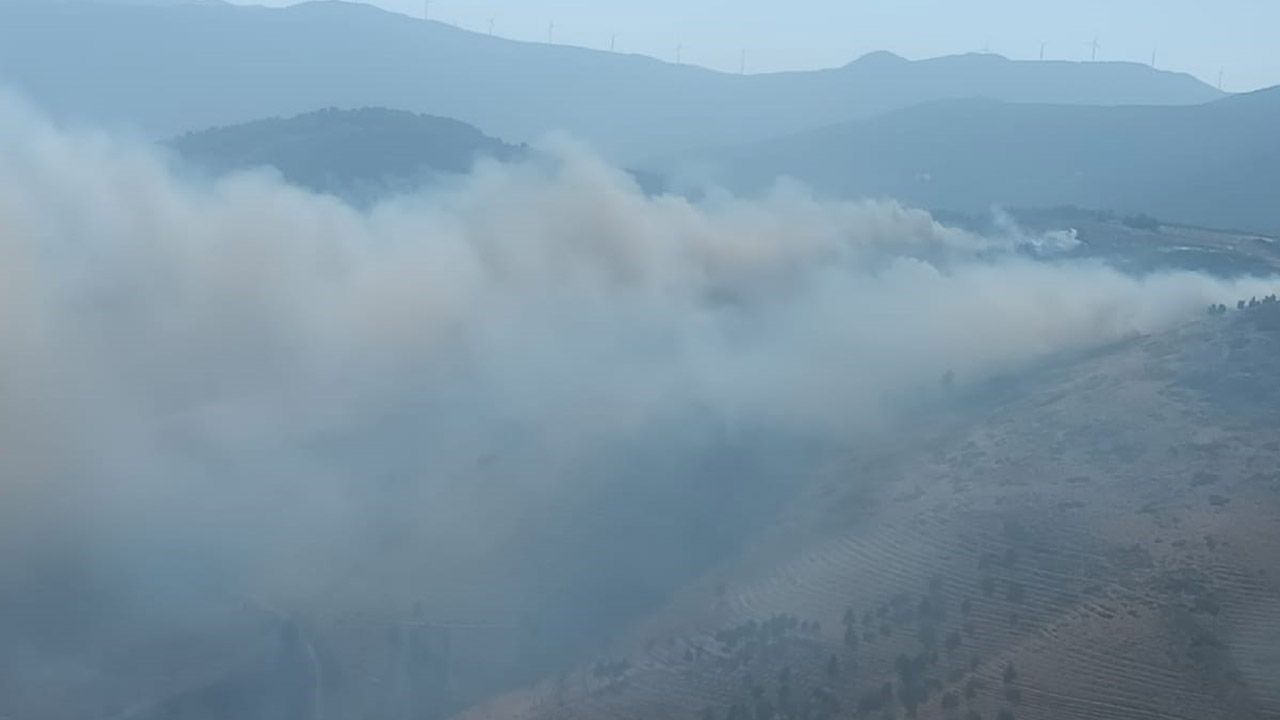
{"type": "Point", "coordinates": [287, 393]}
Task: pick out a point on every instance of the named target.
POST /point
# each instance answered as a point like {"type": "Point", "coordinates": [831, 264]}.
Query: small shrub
{"type": "Point", "coordinates": [953, 641]}
{"type": "Point", "coordinates": [1015, 592]}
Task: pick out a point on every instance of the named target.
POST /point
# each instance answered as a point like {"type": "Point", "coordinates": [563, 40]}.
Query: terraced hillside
{"type": "Point", "coordinates": [1099, 543]}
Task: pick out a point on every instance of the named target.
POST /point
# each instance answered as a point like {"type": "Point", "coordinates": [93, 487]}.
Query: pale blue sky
{"type": "Point", "coordinates": [1239, 37]}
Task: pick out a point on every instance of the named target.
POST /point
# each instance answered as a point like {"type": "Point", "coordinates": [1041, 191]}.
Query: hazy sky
{"type": "Point", "coordinates": [1237, 37]}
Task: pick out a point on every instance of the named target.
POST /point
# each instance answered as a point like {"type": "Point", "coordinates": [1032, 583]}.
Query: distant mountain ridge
{"type": "Point", "coordinates": [360, 154]}
{"type": "Point", "coordinates": [166, 70]}
{"type": "Point", "coordinates": [1216, 165]}
{"type": "Point", "coordinates": [152, 3]}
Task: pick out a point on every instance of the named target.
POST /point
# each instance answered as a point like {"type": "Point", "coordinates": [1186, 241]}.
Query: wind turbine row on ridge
{"type": "Point", "coordinates": [1093, 45]}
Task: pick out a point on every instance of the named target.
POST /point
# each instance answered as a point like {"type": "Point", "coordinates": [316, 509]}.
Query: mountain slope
{"type": "Point", "coordinates": [172, 69]}
{"type": "Point", "coordinates": [1217, 164]}
{"type": "Point", "coordinates": [1097, 546]}
{"type": "Point", "coordinates": [357, 154]}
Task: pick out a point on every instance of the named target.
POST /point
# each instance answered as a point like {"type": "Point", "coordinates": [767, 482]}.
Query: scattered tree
{"type": "Point", "coordinates": [935, 585]}
{"type": "Point", "coordinates": [870, 702]}
{"type": "Point", "coordinates": [953, 641]}
{"type": "Point", "coordinates": [925, 610]}
{"type": "Point", "coordinates": [1015, 592]}
{"type": "Point", "coordinates": [851, 637]}
{"type": "Point", "coordinates": [929, 637]}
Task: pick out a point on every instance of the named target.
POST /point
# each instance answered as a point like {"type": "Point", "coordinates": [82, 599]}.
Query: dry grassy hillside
{"type": "Point", "coordinates": [1100, 543]}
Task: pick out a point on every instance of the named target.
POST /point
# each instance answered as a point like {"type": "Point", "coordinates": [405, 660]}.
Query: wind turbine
{"type": "Point", "coordinates": [679, 52]}
{"type": "Point", "coordinates": [1043, 45]}
{"type": "Point", "coordinates": [1093, 56]}
{"type": "Point", "coordinates": [742, 63]}
{"type": "Point", "coordinates": [1221, 72]}
{"type": "Point", "coordinates": [613, 41]}
{"type": "Point", "coordinates": [492, 20]}
{"type": "Point", "coordinates": [426, 9]}
{"type": "Point", "coordinates": [551, 32]}
{"type": "Point", "coordinates": [1153, 58]}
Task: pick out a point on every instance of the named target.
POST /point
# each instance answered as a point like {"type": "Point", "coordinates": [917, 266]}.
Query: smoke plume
{"type": "Point", "coordinates": [489, 400]}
